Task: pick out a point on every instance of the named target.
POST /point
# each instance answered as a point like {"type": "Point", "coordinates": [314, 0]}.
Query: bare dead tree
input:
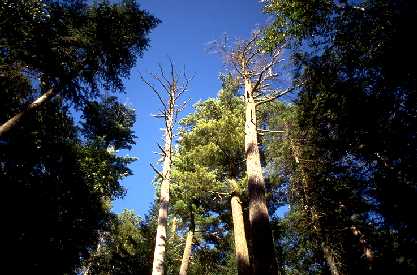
{"type": "Point", "coordinates": [171, 88]}
{"type": "Point", "coordinates": [255, 70]}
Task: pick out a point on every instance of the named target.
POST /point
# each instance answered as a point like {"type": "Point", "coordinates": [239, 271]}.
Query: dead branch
{"type": "Point", "coordinates": [156, 171]}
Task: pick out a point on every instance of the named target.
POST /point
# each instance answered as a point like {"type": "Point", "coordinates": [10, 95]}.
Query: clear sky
{"type": "Point", "coordinates": [186, 29]}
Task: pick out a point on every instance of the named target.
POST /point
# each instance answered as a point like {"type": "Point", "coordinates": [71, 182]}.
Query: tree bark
{"type": "Point", "coordinates": [330, 259]}
{"type": "Point", "coordinates": [187, 252]}
{"type": "Point", "coordinates": [262, 242]}
{"type": "Point", "coordinates": [13, 121]}
{"type": "Point", "coordinates": [241, 246]}
{"type": "Point", "coordinates": [161, 233]}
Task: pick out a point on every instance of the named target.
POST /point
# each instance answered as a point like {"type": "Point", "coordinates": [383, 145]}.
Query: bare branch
{"type": "Point", "coordinates": [154, 90]}
{"type": "Point", "coordinates": [166, 86]}
{"type": "Point", "coordinates": [162, 150]}
{"type": "Point", "coordinates": [274, 95]}
{"type": "Point", "coordinates": [247, 45]}
{"type": "Point", "coordinates": [162, 73]}
{"type": "Point", "coordinates": [159, 115]}
{"type": "Point", "coordinates": [184, 87]}
{"type": "Point", "coordinates": [156, 171]}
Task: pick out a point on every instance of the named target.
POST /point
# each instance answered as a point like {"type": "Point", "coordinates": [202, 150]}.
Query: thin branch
{"type": "Point", "coordinates": [159, 115]}
{"type": "Point", "coordinates": [161, 70]}
{"type": "Point", "coordinates": [270, 131]}
{"type": "Point", "coordinates": [154, 90]}
{"type": "Point", "coordinates": [166, 87]}
{"type": "Point", "coordinates": [182, 107]}
{"type": "Point", "coordinates": [162, 150]}
{"type": "Point", "coordinates": [273, 96]}
{"type": "Point", "coordinates": [156, 171]}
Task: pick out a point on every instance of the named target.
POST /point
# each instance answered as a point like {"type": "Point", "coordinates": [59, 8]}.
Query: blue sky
{"type": "Point", "coordinates": [186, 29]}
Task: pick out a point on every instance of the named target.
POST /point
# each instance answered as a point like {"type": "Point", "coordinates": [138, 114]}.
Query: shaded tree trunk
{"type": "Point", "coordinates": [161, 233]}
{"type": "Point", "coordinates": [13, 121]}
{"type": "Point", "coordinates": [262, 242]}
{"type": "Point", "coordinates": [241, 246]}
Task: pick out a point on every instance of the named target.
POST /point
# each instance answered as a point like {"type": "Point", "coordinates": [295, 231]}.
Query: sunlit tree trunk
{"type": "Point", "coordinates": [187, 253]}
{"type": "Point", "coordinates": [171, 90]}
{"type": "Point", "coordinates": [12, 122]}
{"type": "Point", "coordinates": [241, 246]}
{"type": "Point", "coordinates": [262, 242]}
{"type": "Point", "coordinates": [161, 234]}
{"type": "Point", "coordinates": [188, 246]}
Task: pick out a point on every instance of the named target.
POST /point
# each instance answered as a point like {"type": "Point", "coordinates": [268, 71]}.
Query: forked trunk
{"type": "Point", "coordinates": [13, 121]}
{"type": "Point", "coordinates": [241, 246]}
{"type": "Point", "coordinates": [262, 242]}
{"type": "Point", "coordinates": [161, 232]}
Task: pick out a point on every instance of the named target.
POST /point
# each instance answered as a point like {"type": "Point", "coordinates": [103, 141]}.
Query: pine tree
{"type": "Point", "coordinates": [209, 167]}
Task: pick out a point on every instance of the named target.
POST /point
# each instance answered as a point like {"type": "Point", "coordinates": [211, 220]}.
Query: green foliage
{"type": "Point", "coordinates": [109, 123]}
{"type": "Point", "coordinates": [124, 249]}
{"type": "Point", "coordinates": [60, 178]}
{"type": "Point", "coordinates": [54, 212]}
{"type": "Point", "coordinates": [209, 155]}
{"type": "Point", "coordinates": [297, 19]}
{"type": "Point", "coordinates": [73, 46]}
{"type": "Point", "coordinates": [355, 127]}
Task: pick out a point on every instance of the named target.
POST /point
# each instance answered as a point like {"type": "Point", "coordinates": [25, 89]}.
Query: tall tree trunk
{"type": "Point", "coordinates": [172, 89]}
{"type": "Point", "coordinates": [161, 234]}
{"type": "Point", "coordinates": [188, 246]}
{"type": "Point", "coordinates": [241, 246]}
{"type": "Point", "coordinates": [187, 253]}
{"type": "Point", "coordinates": [262, 242]}
{"type": "Point", "coordinates": [12, 122]}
